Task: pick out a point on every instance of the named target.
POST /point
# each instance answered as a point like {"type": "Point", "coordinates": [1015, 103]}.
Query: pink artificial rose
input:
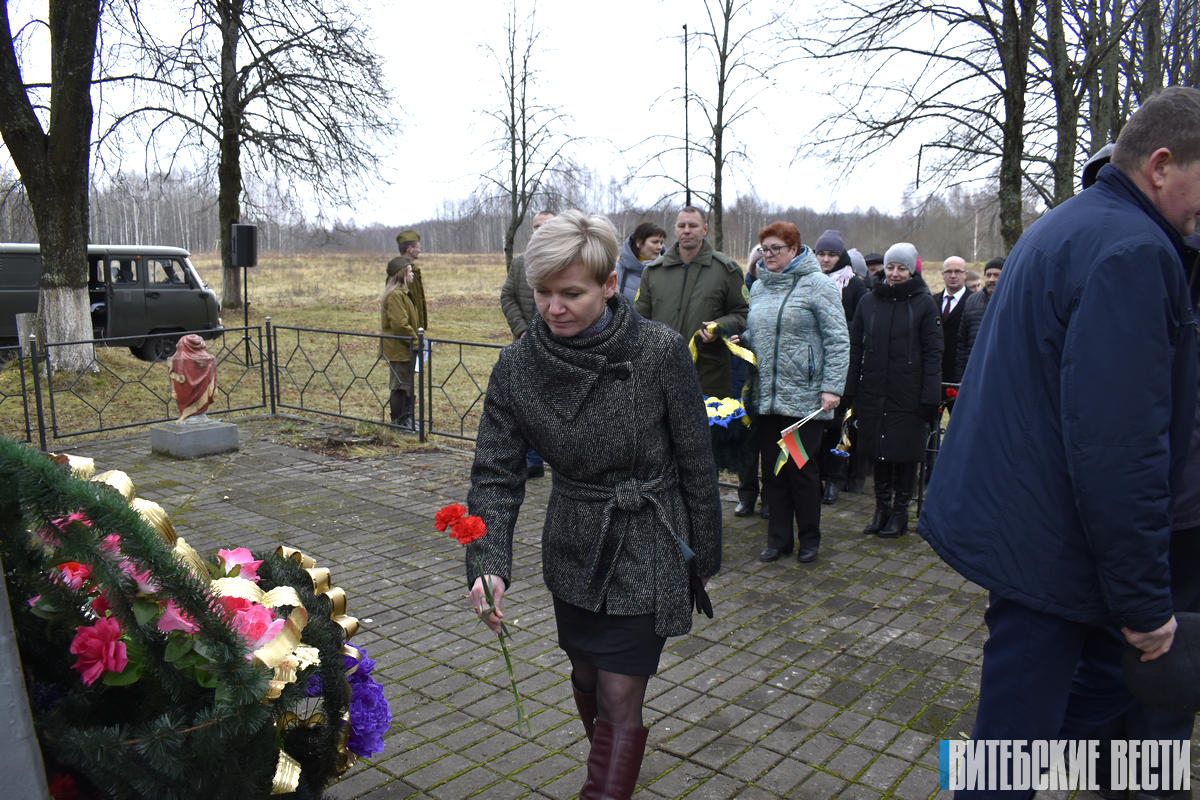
{"type": "Point", "coordinates": [240, 557]}
{"type": "Point", "coordinates": [99, 649]}
{"type": "Point", "coordinates": [74, 574]}
{"type": "Point", "coordinates": [257, 625]}
{"type": "Point", "coordinates": [111, 544]}
{"type": "Point", "coordinates": [173, 619]}
{"type": "Point", "coordinates": [232, 605]}
{"type": "Point", "coordinates": [145, 583]}
{"type": "Point", "coordinates": [63, 522]}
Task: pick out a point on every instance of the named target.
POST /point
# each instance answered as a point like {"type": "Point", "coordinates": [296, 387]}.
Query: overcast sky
{"type": "Point", "coordinates": [616, 67]}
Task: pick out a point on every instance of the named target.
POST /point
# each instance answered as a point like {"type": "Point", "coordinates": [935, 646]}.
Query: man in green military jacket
{"type": "Point", "coordinates": [410, 250]}
{"type": "Point", "coordinates": [516, 296]}
{"type": "Point", "coordinates": [692, 286]}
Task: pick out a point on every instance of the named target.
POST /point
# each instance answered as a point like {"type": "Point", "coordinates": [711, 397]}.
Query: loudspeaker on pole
{"type": "Point", "coordinates": [243, 241]}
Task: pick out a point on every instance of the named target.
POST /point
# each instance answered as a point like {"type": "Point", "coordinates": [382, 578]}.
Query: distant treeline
{"type": "Point", "coordinates": [182, 212]}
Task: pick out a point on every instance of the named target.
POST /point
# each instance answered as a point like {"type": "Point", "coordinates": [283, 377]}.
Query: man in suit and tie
{"type": "Point", "coordinates": [950, 303]}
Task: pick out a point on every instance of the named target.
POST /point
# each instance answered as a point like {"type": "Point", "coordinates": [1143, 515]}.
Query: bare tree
{"type": "Point", "coordinates": [1077, 42]}
{"type": "Point", "coordinates": [739, 71]}
{"type": "Point", "coordinates": [530, 138]}
{"type": "Point", "coordinates": [289, 88]}
{"type": "Point", "coordinates": [954, 72]}
{"type": "Point", "coordinates": [53, 163]}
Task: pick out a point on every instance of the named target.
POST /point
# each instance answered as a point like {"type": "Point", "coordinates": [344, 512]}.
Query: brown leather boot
{"type": "Point", "coordinates": [614, 762]}
{"type": "Point", "coordinates": [586, 703]}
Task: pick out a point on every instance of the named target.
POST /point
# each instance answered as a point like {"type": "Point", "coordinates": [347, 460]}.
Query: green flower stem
{"type": "Point", "coordinates": [522, 719]}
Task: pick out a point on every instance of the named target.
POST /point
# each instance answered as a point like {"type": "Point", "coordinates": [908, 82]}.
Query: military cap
{"type": "Point", "coordinates": [407, 236]}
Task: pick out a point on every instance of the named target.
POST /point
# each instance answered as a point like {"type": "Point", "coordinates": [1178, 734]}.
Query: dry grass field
{"type": "Point", "coordinates": [341, 291]}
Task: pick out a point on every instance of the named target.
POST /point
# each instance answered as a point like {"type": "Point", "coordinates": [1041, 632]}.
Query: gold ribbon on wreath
{"type": "Point", "coordinates": [323, 585]}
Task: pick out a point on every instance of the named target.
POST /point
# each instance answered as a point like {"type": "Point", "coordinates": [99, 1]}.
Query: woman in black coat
{"type": "Point", "coordinates": [835, 262]}
{"type": "Point", "coordinates": [895, 383]}
{"type": "Point", "coordinates": [613, 404]}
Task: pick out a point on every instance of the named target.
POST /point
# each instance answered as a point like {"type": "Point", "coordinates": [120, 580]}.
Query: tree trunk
{"type": "Point", "coordinates": [229, 170]}
{"type": "Point", "coordinates": [54, 169]}
{"type": "Point", "coordinates": [1152, 42]}
{"type": "Point", "coordinates": [1014, 44]}
{"type": "Point", "coordinates": [62, 313]}
{"type": "Point", "coordinates": [1062, 82]}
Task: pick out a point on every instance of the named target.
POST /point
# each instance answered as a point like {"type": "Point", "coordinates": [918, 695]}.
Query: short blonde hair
{"type": "Point", "coordinates": [569, 238]}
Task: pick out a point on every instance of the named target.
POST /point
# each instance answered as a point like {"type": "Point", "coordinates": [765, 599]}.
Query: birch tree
{"type": "Point", "coordinates": [50, 144]}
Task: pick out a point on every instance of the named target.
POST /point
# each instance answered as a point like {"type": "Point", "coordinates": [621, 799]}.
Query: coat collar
{"type": "Point", "coordinates": [704, 257]}
{"type": "Point", "coordinates": [1122, 185]}
{"type": "Point", "coordinates": [913, 286]}
{"type": "Point", "coordinates": [567, 370]}
{"type": "Point", "coordinates": [807, 264]}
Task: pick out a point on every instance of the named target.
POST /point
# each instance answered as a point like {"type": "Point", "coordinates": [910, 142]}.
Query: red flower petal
{"type": "Point", "coordinates": [468, 529]}
{"type": "Point", "coordinates": [448, 516]}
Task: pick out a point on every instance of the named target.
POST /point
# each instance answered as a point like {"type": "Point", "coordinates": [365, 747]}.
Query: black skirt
{"type": "Point", "coordinates": [626, 645]}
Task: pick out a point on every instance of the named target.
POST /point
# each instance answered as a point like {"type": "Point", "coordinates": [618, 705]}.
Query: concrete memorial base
{"type": "Point", "coordinates": [193, 438]}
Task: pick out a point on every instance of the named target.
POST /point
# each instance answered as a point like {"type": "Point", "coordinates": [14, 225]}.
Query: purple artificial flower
{"type": "Point", "coordinates": [370, 714]}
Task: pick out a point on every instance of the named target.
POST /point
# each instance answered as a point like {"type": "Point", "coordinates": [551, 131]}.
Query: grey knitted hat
{"type": "Point", "coordinates": [902, 253]}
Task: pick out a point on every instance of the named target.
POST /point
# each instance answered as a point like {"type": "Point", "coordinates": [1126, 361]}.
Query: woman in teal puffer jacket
{"type": "Point", "coordinates": [797, 330]}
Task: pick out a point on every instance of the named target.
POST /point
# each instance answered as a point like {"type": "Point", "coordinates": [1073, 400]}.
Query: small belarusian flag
{"type": "Point", "coordinates": [791, 446]}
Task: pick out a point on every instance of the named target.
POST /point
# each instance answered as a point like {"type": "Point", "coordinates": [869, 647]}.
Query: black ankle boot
{"type": "Point", "coordinates": [879, 520]}
{"type": "Point", "coordinates": [883, 499]}
{"type": "Point", "coordinates": [897, 524]}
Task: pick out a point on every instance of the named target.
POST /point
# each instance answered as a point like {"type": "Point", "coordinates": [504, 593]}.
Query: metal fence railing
{"type": "Point", "coordinates": [115, 390]}
{"type": "Point", "coordinates": [14, 390]}
{"type": "Point", "coordinates": [341, 374]}
{"type": "Point", "coordinates": [949, 393]}
{"type": "Point", "coordinates": [455, 378]}
{"type": "Point", "coordinates": [330, 373]}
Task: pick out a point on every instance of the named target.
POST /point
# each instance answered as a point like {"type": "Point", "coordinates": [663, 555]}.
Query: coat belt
{"type": "Point", "coordinates": [628, 495]}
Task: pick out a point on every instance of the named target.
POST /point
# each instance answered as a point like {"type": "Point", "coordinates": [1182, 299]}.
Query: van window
{"type": "Point", "coordinates": [167, 272]}
{"type": "Point", "coordinates": [123, 270]}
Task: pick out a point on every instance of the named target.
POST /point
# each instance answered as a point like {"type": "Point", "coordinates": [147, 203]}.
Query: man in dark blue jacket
{"type": "Point", "coordinates": [1075, 413]}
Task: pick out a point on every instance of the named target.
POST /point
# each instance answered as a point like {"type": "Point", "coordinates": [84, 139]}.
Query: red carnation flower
{"type": "Point", "coordinates": [467, 530]}
{"type": "Point", "coordinates": [448, 516]}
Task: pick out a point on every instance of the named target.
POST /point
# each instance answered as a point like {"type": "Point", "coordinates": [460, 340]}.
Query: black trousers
{"type": "Point", "coordinates": [793, 493]}
{"type": "Point", "coordinates": [832, 467]}
{"type": "Point", "coordinates": [748, 473]}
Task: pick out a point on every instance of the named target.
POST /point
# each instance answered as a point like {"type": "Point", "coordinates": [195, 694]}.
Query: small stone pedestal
{"type": "Point", "coordinates": [193, 438]}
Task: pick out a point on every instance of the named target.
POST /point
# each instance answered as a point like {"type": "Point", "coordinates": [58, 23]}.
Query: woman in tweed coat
{"type": "Point", "coordinates": [612, 403]}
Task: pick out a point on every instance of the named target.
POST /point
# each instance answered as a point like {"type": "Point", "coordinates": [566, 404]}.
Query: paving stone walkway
{"type": "Point", "coordinates": [834, 679]}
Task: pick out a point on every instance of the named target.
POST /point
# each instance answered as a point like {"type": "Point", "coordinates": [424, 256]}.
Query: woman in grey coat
{"type": "Point", "coordinates": [612, 403]}
{"type": "Point", "coordinates": [644, 245]}
{"type": "Point", "coordinates": [797, 330]}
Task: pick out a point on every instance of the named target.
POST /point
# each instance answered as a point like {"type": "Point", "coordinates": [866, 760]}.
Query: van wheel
{"type": "Point", "coordinates": [156, 348]}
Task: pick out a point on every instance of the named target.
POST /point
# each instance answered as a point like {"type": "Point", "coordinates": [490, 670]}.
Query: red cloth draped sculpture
{"type": "Point", "coordinates": [193, 372]}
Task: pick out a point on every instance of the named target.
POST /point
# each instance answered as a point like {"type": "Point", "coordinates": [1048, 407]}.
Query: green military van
{"type": "Point", "coordinates": [144, 291]}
